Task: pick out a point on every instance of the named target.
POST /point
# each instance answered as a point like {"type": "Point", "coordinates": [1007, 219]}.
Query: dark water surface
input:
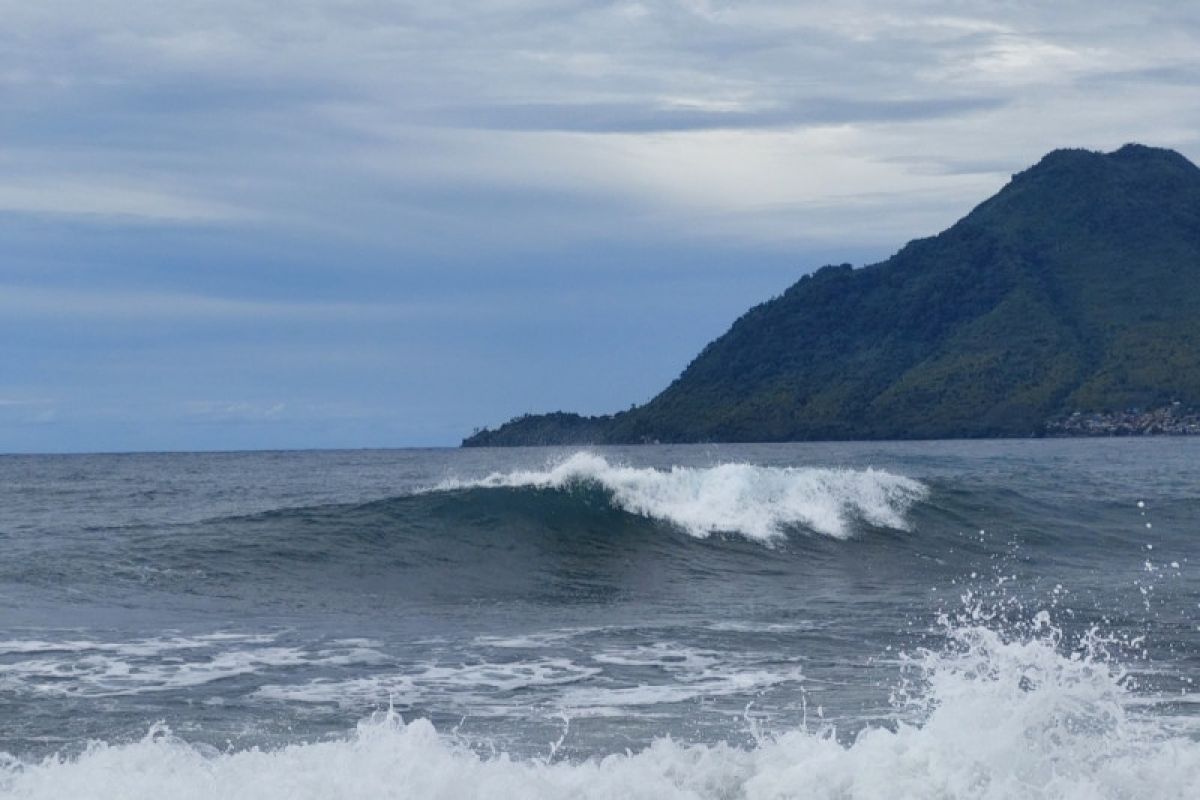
{"type": "Point", "coordinates": [952, 619]}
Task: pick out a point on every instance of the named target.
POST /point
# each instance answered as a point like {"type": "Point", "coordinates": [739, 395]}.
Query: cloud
{"type": "Point", "coordinates": [243, 195]}
{"type": "Point", "coordinates": [130, 305]}
{"type": "Point", "coordinates": [82, 196]}
{"type": "Point", "coordinates": [208, 411]}
{"type": "Point", "coordinates": [358, 121]}
{"type": "Point", "coordinates": [27, 410]}
{"type": "Point", "coordinates": [22, 301]}
{"type": "Point", "coordinates": [641, 118]}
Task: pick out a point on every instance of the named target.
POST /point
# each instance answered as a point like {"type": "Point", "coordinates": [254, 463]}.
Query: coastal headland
{"type": "Point", "coordinates": [1068, 304]}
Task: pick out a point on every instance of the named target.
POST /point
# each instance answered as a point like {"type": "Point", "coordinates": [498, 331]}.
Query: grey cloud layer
{"type": "Point", "coordinates": [396, 202]}
{"type": "Point", "coordinates": [634, 118]}
{"type": "Point", "coordinates": [172, 98]}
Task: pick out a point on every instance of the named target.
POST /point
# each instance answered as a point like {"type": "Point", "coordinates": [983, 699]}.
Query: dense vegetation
{"type": "Point", "coordinates": [1075, 288]}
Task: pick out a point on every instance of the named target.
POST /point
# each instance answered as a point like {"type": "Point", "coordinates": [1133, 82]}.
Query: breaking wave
{"type": "Point", "coordinates": [761, 503]}
{"type": "Point", "coordinates": [988, 717]}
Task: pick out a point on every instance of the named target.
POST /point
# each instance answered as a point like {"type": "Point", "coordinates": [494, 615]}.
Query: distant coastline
{"type": "Point", "coordinates": [1172, 420]}
{"type": "Point", "coordinates": [571, 429]}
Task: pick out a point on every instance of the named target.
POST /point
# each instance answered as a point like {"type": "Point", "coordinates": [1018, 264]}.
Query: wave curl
{"type": "Point", "coordinates": [759, 502]}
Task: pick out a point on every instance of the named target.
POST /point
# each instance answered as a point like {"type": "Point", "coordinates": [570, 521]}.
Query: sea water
{"type": "Point", "coordinates": [1012, 619]}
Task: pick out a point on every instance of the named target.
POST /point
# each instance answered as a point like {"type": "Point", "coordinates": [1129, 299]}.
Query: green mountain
{"type": "Point", "coordinates": [1076, 288]}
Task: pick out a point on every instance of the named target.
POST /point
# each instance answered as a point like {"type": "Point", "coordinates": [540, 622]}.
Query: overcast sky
{"type": "Point", "coordinates": [322, 223]}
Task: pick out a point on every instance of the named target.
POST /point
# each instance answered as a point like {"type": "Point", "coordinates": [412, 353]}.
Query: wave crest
{"type": "Point", "coordinates": [758, 502]}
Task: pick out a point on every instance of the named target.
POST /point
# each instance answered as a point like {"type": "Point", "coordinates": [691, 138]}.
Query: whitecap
{"type": "Point", "coordinates": [759, 502]}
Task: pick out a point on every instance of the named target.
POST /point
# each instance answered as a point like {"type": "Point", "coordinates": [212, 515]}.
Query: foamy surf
{"type": "Point", "coordinates": [995, 719]}
{"type": "Point", "coordinates": [758, 502]}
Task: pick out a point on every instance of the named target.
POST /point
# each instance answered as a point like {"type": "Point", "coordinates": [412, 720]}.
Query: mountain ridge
{"type": "Point", "coordinates": [1075, 288]}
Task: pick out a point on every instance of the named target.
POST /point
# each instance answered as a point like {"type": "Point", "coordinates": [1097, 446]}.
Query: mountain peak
{"type": "Point", "coordinates": [1129, 156]}
{"type": "Point", "coordinates": [1117, 196]}
{"type": "Point", "coordinates": [1134, 151]}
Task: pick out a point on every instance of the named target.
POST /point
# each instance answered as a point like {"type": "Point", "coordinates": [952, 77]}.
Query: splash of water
{"type": "Point", "coordinates": [988, 717]}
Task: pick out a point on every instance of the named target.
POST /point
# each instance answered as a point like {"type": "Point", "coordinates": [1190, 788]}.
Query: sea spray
{"type": "Point", "coordinates": [997, 717]}
{"type": "Point", "coordinates": [759, 502]}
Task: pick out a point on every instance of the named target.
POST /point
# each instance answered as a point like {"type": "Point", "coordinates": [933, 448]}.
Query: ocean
{"type": "Point", "coordinates": [975, 619]}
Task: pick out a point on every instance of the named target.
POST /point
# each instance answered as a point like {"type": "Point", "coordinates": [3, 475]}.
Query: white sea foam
{"type": "Point", "coordinates": [534, 641]}
{"type": "Point", "coordinates": [998, 720]}
{"type": "Point", "coordinates": [605, 700]}
{"type": "Point", "coordinates": [758, 502]}
{"type": "Point", "coordinates": [670, 656]}
{"type": "Point", "coordinates": [84, 668]}
{"type": "Point", "coordinates": [683, 674]}
{"type": "Point", "coordinates": [744, 626]}
{"type": "Point", "coordinates": [475, 685]}
{"type": "Point", "coordinates": [599, 684]}
{"type": "Point", "coordinates": [141, 647]}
